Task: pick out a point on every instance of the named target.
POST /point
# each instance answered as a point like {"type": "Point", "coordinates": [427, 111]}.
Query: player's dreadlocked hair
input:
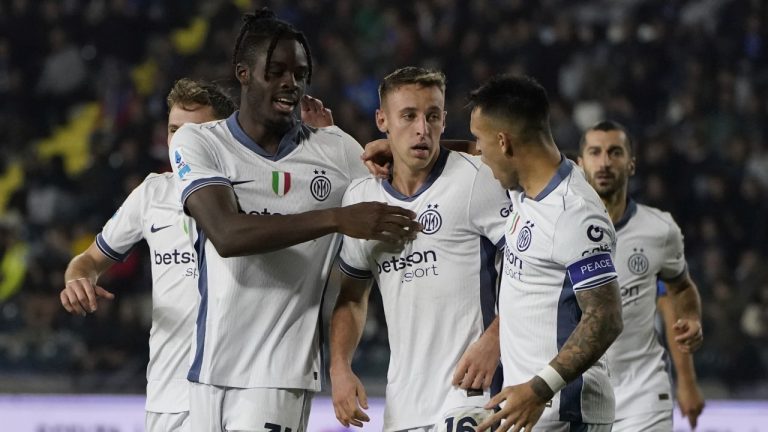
{"type": "Point", "coordinates": [261, 26]}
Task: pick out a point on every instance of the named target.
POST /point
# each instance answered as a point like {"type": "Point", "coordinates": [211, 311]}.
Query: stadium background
{"type": "Point", "coordinates": [82, 122]}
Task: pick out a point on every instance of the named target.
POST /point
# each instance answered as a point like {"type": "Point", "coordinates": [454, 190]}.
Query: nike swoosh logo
{"type": "Point", "coordinates": [154, 230]}
{"type": "Point", "coordinates": [235, 183]}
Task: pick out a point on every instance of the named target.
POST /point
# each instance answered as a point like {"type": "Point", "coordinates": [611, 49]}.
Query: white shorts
{"type": "Point", "coordinates": [654, 421]}
{"type": "Point", "coordinates": [561, 426]}
{"type": "Point", "coordinates": [226, 409]}
{"type": "Point", "coordinates": [166, 422]}
{"type": "Point", "coordinates": [419, 429]}
{"type": "Point", "coordinates": [462, 410]}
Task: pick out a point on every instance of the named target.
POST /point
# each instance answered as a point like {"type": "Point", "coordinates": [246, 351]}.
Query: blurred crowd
{"type": "Point", "coordinates": [83, 121]}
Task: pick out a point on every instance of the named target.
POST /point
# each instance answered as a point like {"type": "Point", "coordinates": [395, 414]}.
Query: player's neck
{"type": "Point", "coordinates": [537, 168]}
{"type": "Point", "coordinates": [616, 204]}
{"type": "Point", "coordinates": [268, 138]}
{"type": "Point", "coordinates": [407, 180]}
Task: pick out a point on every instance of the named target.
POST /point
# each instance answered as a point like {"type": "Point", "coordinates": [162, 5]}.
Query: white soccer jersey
{"type": "Point", "coordinates": [439, 292]}
{"type": "Point", "coordinates": [152, 212]}
{"type": "Point", "coordinates": [258, 322]}
{"type": "Point", "coordinates": [650, 246]}
{"type": "Point", "coordinates": [558, 243]}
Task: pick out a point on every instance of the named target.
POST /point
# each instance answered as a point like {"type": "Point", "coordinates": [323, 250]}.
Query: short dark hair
{"type": "Point", "coordinates": [264, 26]}
{"type": "Point", "coordinates": [411, 75]}
{"type": "Point", "coordinates": [187, 91]}
{"type": "Point", "coordinates": [514, 98]}
{"type": "Point", "coordinates": [606, 126]}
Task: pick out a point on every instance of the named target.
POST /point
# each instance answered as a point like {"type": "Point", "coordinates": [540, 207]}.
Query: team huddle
{"type": "Point", "coordinates": [506, 277]}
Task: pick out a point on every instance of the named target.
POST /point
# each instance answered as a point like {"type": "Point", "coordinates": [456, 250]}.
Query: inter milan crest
{"type": "Point", "coordinates": [638, 262]}
{"type": "Point", "coordinates": [430, 220]}
{"type": "Point", "coordinates": [525, 237]}
{"type": "Point", "coordinates": [320, 186]}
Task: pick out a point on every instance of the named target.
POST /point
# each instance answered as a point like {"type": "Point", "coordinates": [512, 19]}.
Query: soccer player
{"type": "Point", "coordinates": [649, 246]}
{"type": "Point", "coordinates": [559, 303]}
{"type": "Point", "coordinates": [264, 190]}
{"type": "Point", "coordinates": [439, 290]}
{"type": "Point", "coordinates": [152, 212]}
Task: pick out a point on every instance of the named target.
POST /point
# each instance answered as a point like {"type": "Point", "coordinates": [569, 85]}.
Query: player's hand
{"type": "Point", "coordinates": [79, 296]}
{"type": "Point", "coordinates": [378, 221]}
{"type": "Point", "coordinates": [689, 334]}
{"type": "Point", "coordinates": [314, 113]}
{"type": "Point", "coordinates": [691, 402]}
{"type": "Point", "coordinates": [377, 157]}
{"type": "Point", "coordinates": [478, 364]}
{"type": "Point", "coordinates": [522, 409]}
{"type": "Point", "coordinates": [349, 398]}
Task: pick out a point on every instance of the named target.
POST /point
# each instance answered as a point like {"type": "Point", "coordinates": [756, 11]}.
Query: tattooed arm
{"type": "Point", "coordinates": [599, 326]}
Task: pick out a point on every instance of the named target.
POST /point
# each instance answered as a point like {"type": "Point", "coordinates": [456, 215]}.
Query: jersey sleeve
{"type": "Point", "coordinates": [195, 166]}
{"type": "Point", "coordinates": [584, 242]}
{"type": "Point", "coordinates": [488, 206]}
{"type": "Point", "coordinates": [352, 151]}
{"type": "Point", "coordinates": [674, 264]}
{"type": "Point", "coordinates": [352, 259]}
{"type": "Point", "coordinates": [125, 228]}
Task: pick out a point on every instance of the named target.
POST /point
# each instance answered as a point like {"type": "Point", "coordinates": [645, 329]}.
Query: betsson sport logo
{"type": "Point", "coordinates": [176, 257]}
{"type": "Point", "coordinates": [417, 265]}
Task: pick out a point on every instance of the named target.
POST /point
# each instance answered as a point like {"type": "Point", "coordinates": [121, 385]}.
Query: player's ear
{"type": "Point", "coordinates": [242, 73]}
{"type": "Point", "coordinates": [381, 121]}
{"type": "Point", "coordinates": [632, 166]}
{"type": "Point", "coordinates": [445, 115]}
{"type": "Point", "coordinates": [505, 143]}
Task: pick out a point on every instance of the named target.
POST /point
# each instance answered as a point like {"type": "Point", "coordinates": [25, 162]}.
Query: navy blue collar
{"type": "Point", "coordinates": [437, 169]}
{"type": "Point", "coordinates": [628, 213]}
{"type": "Point", "coordinates": [563, 171]}
{"type": "Point", "coordinates": [288, 144]}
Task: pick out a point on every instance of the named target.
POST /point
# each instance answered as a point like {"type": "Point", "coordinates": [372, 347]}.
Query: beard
{"type": "Point", "coordinates": [608, 188]}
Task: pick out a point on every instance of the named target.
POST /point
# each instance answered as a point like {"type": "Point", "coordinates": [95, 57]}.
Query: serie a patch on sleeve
{"type": "Point", "coordinates": [592, 271]}
{"type": "Point", "coordinates": [181, 165]}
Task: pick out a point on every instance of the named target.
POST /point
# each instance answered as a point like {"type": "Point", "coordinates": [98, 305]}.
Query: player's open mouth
{"type": "Point", "coordinates": [284, 105]}
{"type": "Point", "coordinates": [420, 150]}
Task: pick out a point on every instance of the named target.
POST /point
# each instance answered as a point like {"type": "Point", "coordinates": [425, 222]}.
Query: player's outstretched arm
{"type": "Point", "coordinates": [684, 296]}
{"type": "Point", "coordinates": [689, 396]}
{"type": "Point", "coordinates": [599, 326]}
{"type": "Point", "coordinates": [479, 362]}
{"type": "Point", "coordinates": [347, 322]}
{"type": "Point", "coordinates": [234, 233]}
{"type": "Point", "coordinates": [80, 291]}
